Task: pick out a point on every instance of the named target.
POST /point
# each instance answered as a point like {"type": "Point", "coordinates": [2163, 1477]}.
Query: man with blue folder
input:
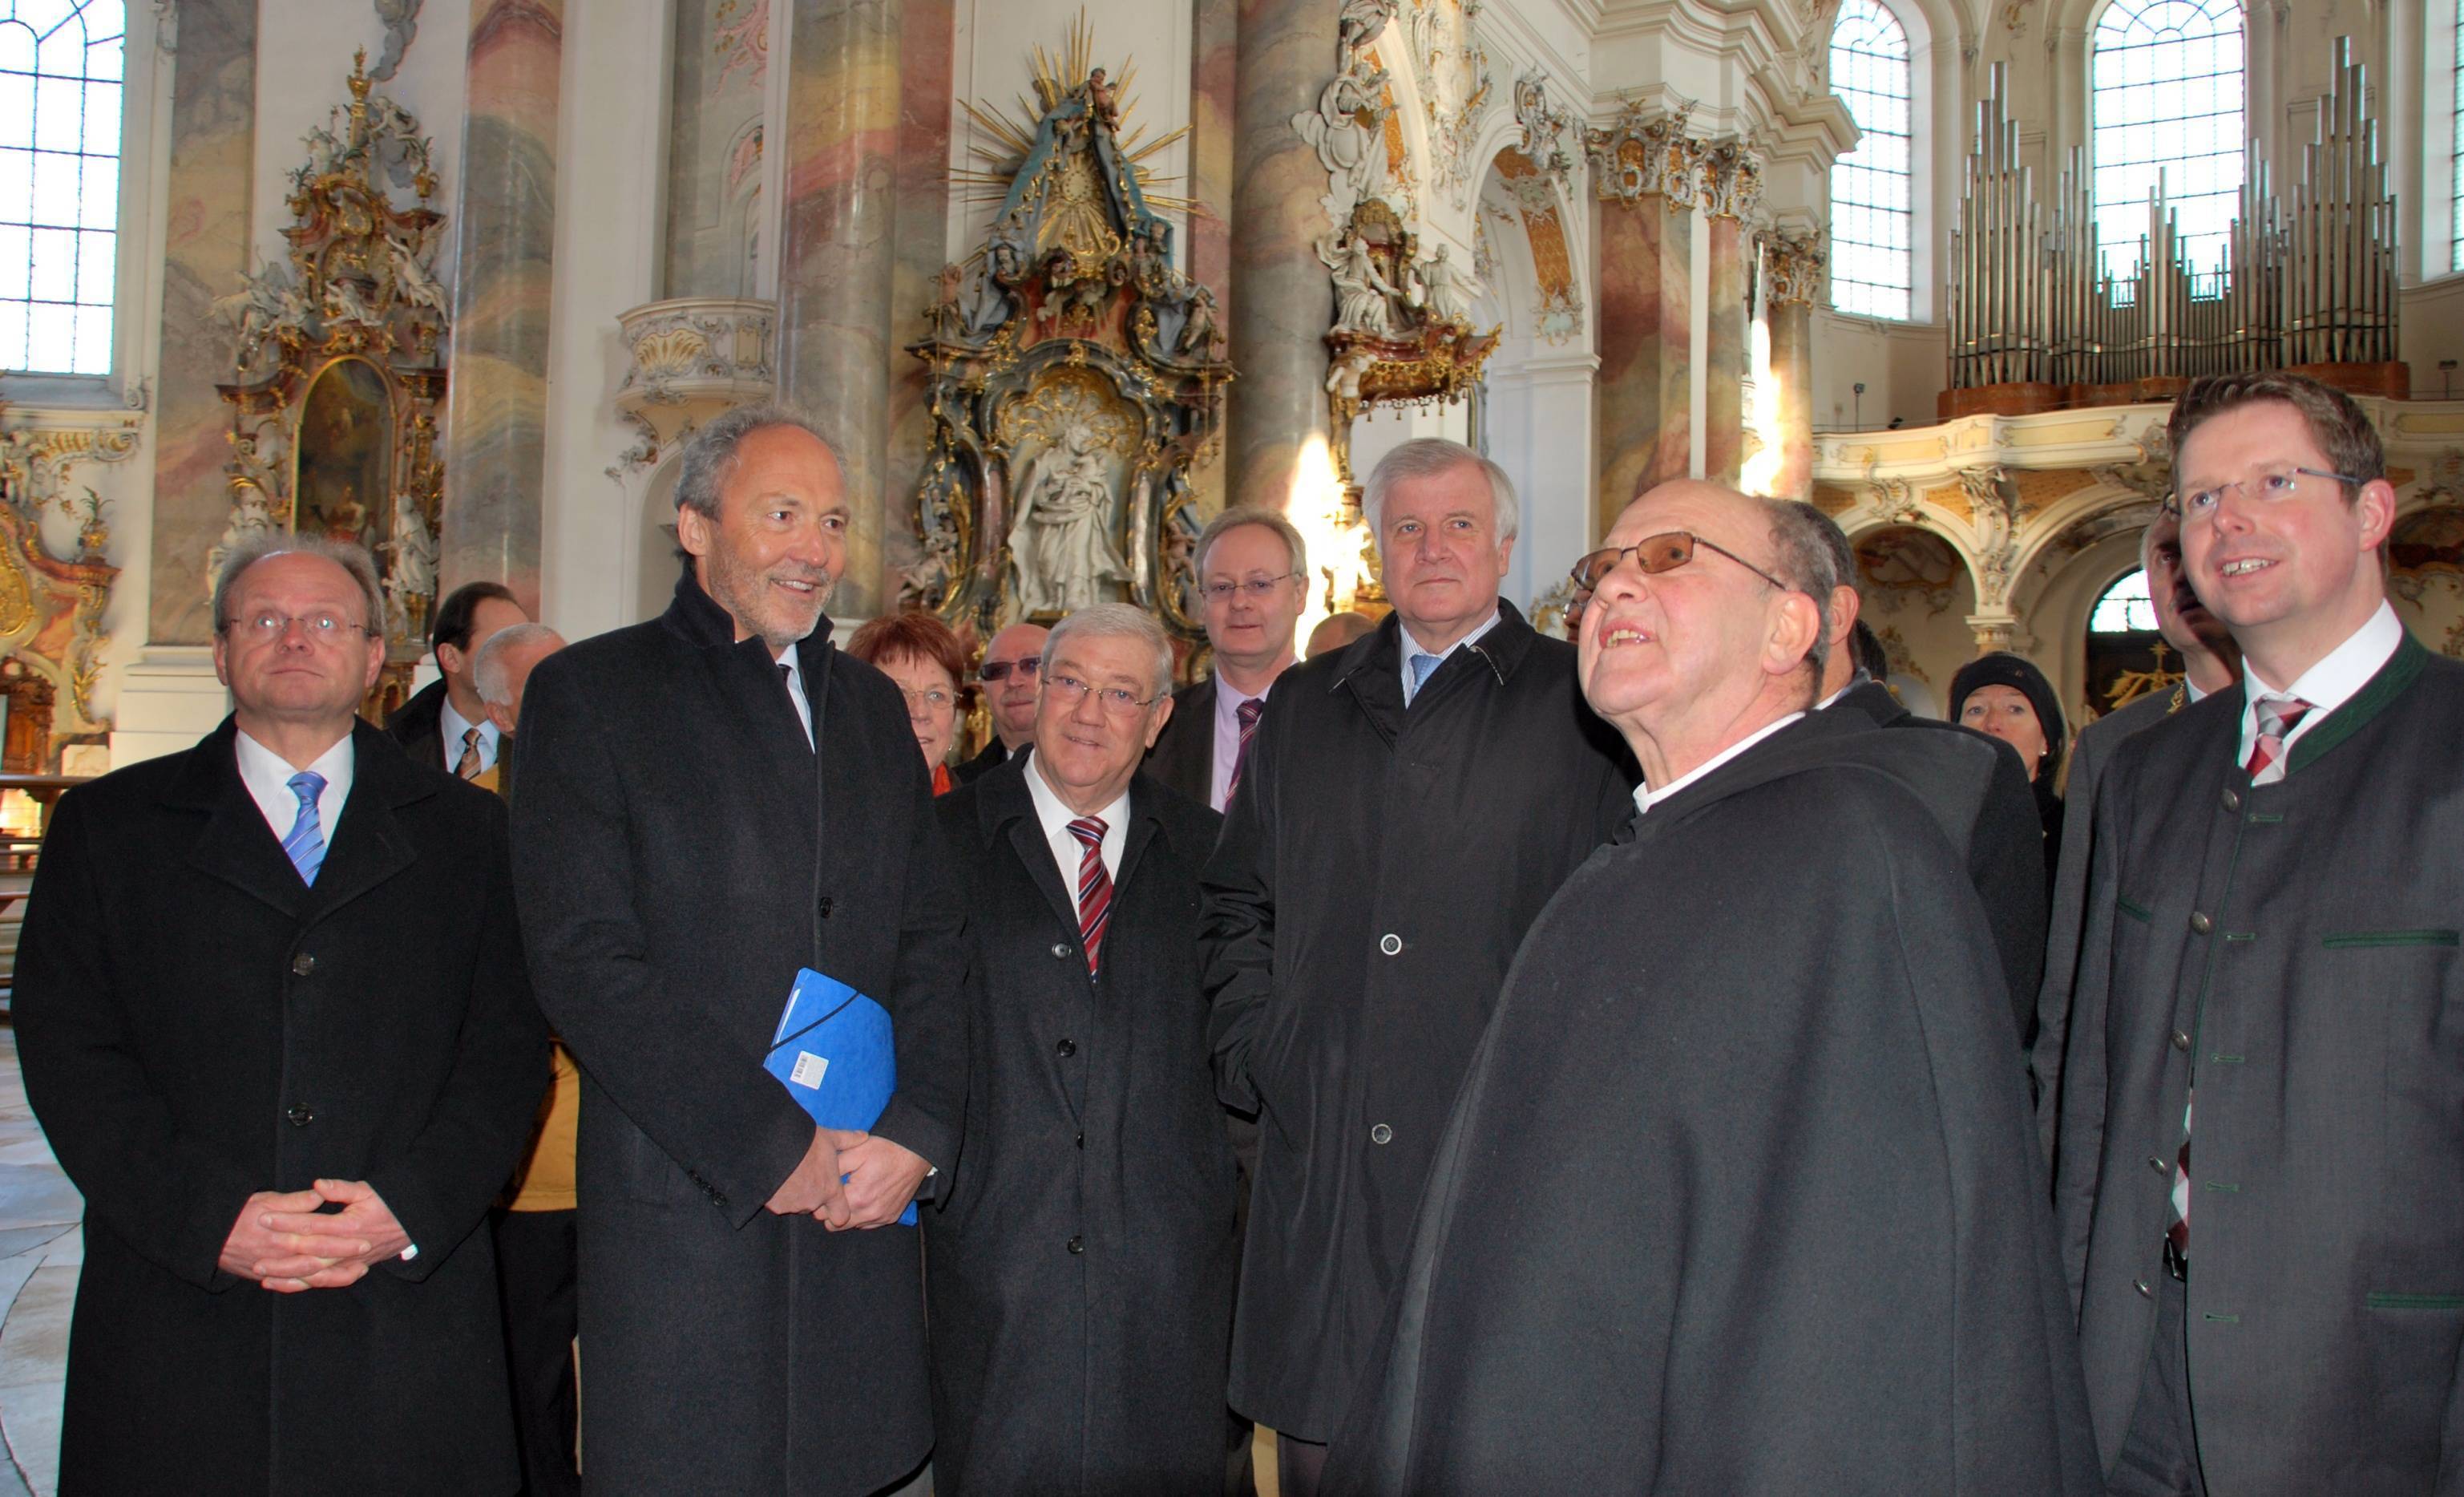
{"type": "Point", "coordinates": [713, 803]}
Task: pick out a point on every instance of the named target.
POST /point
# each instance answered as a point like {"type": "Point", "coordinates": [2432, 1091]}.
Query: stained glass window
{"type": "Point", "coordinates": [2124, 607]}
{"type": "Point", "coordinates": [60, 181]}
{"type": "Point", "coordinates": [1873, 223]}
{"type": "Point", "coordinates": [2167, 105]}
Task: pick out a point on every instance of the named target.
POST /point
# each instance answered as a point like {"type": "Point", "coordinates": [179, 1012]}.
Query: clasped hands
{"type": "Point", "coordinates": [286, 1241]}
{"type": "Point", "coordinates": [881, 1178]}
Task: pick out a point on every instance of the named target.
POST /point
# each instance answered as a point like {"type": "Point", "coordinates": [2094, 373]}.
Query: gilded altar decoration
{"type": "Point", "coordinates": [337, 364]}
{"type": "Point", "coordinates": [1075, 376]}
{"type": "Point", "coordinates": [55, 584]}
{"type": "Point", "coordinates": [1403, 331]}
{"type": "Point", "coordinates": [1642, 154]}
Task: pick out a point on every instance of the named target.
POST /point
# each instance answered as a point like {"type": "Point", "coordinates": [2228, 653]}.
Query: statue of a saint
{"type": "Point", "coordinates": [1062, 544]}
{"type": "Point", "coordinates": [1450, 289]}
{"type": "Point", "coordinates": [1364, 298]}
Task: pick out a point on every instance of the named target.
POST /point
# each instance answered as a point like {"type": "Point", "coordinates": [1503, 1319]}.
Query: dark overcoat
{"type": "Point", "coordinates": [1738, 1204]}
{"type": "Point", "coordinates": [2295, 947]}
{"type": "Point", "coordinates": [197, 1025]}
{"type": "Point", "coordinates": [1183, 755]}
{"type": "Point", "coordinates": [664, 852]}
{"type": "Point", "coordinates": [991, 756]}
{"type": "Point", "coordinates": [2067, 917]}
{"type": "Point", "coordinates": [1979, 790]}
{"type": "Point", "coordinates": [1376, 873]}
{"type": "Point", "coordinates": [1082, 1257]}
{"type": "Point", "coordinates": [418, 725]}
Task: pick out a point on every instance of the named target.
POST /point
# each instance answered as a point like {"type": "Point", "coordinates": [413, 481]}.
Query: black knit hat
{"type": "Point", "coordinates": [2004, 669]}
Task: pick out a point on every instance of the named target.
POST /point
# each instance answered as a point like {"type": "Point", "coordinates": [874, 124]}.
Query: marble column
{"type": "Point", "coordinates": [1727, 350]}
{"type": "Point", "coordinates": [921, 233]}
{"type": "Point", "coordinates": [1283, 299]}
{"type": "Point", "coordinates": [1213, 99]}
{"type": "Point", "coordinates": [495, 431]}
{"type": "Point", "coordinates": [1791, 272]}
{"type": "Point", "coordinates": [213, 126]}
{"type": "Point", "coordinates": [837, 259]}
{"type": "Point", "coordinates": [1643, 401]}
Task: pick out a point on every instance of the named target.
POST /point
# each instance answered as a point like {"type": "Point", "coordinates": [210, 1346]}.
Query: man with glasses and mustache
{"type": "Point", "coordinates": [711, 801]}
{"type": "Point", "coordinates": [1408, 804]}
{"type": "Point", "coordinates": [1741, 1193]}
{"type": "Point", "coordinates": [1253, 573]}
{"type": "Point", "coordinates": [2210, 663]}
{"type": "Point", "coordinates": [273, 1015]}
{"type": "Point", "coordinates": [1010, 673]}
{"type": "Point", "coordinates": [2262, 1114]}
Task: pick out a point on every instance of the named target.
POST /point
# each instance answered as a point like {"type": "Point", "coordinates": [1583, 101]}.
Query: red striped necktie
{"type": "Point", "coordinates": [2276, 719]}
{"type": "Point", "coordinates": [1094, 889]}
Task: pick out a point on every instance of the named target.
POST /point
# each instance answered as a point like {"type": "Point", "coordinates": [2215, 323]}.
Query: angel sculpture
{"type": "Point", "coordinates": [1348, 131]}
{"type": "Point", "coordinates": [1450, 289]}
{"type": "Point", "coordinates": [1363, 22]}
{"type": "Point", "coordinates": [344, 303]}
{"type": "Point", "coordinates": [411, 279]}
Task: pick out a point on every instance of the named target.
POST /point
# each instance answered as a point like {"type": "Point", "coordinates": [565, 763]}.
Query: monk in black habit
{"type": "Point", "coordinates": [1741, 1193]}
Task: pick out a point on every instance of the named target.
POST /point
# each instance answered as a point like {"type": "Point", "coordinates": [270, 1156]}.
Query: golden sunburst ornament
{"type": "Point", "coordinates": [1058, 80]}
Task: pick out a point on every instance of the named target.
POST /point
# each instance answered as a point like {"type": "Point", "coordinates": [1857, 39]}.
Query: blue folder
{"type": "Point", "coordinates": [832, 1051]}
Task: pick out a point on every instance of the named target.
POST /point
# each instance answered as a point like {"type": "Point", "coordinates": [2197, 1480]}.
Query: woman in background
{"type": "Point", "coordinates": [920, 653]}
{"type": "Point", "coordinates": [2007, 698]}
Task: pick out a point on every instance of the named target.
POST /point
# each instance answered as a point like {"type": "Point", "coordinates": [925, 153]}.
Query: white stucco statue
{"type": "Point", "coordinates": [1450, 289]}
{"type": "Point", "coordinates": [1062, 544]}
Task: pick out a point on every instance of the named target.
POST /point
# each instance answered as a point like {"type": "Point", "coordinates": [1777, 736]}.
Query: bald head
{"type": "Point", "coordinates": [1012, 671]}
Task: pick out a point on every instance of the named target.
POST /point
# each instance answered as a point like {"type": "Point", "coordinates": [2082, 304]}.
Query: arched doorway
{"type": "Point", "coordinates": [1918, 596]}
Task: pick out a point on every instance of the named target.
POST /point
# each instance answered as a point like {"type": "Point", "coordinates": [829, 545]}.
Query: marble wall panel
{"type": "Point", "coordinates": [1728, 354]}
{"type": "Point", "coordinates": [715, 147]}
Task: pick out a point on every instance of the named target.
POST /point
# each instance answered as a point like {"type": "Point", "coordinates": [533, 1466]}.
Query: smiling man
{"type": "Point", "coordinates": [710, 802]}
{"type": "Point", "coordinates": [1740, 1195]}
{"type": "Point", "coordinates": [1253, 573]}
{"type": "Point", "coordinates": [2263, 1091]}
{"type": "Point", "coordinates": [1410, 801]}
{"type": "Point", "coordinates": [1010, 673]}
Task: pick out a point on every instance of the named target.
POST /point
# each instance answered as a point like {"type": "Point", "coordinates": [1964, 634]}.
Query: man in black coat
{"type": "Point", "coordinates": [1008, 675]}
{"type": "Point", "coordinates": [2262, 1118]}
{"type": "Point", "coordinates": [1082, 1255]}
{"type": "Point", "coordinates": [272, 1018]}
{"type": "Point", "coordinates": [1410, 804]}
{"type": "Point", "coordinates": [444, 724]}
{"type": "Point", "coordinates": [1253, 573]}
{"type": "Point", "coordinates": [1741, 1194]}
{"type": "Point", "coordinates": [682, 851]}
{"type": "Point", "coordinates": [1975, 784]}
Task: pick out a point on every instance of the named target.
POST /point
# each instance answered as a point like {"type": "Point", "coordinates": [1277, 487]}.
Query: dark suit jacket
{"type": "Point", "coordinates": [1991, 817]}
{"type": "Point", "coordinates": [1082, 1267]}
{"type": "Point", "coordinates": [2296, 946]}
{"type": "Point", "coordinates": [195, 1025]}
{"type": "Point", "coordinates": [664, 848]}
{"type": "Point", "coordinates": [418, 725]}
{"type": "Point", "coordinates": [991, 756]}
{"type": "Point", "coordinates": [1183, 755]}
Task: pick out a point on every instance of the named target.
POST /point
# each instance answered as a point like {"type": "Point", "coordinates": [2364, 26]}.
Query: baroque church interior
{"type": "Point", "coordinates": [1064, 278]}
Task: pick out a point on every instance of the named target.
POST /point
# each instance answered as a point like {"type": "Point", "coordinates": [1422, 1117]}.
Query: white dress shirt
{"type": "Point", "coordinates": [452, 725]}
{"type": "Point", "coordinates": [2328, 685]}
{"type": "Point", "coordinates": [796, 691]}
{"type": "Point", "coordinates": [1066, 849]}
{"type": "Point", "coordinates": [1227, 738]}
{"type": "Point", "coordinates": [1412, 647]}
{"type": "Point", "coordinates": [268, 778]}
{"type": "Point", "coordinates": [1644, 795]}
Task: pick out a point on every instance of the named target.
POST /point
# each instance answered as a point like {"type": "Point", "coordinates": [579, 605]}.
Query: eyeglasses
{"type": "Point", "coordinates": [1117, 700]}
{"type": "Point", "coordinates": [935, 701]}
{"type": "Point", "coordinates": [1255, 590]}
{"type": "Point", "coordinates": [1657, 554]}
{"type": "Point", "coordinates": [2275, 482]}
{"type": "Point", "coordinates": [324, 629]}
{"type": "Point", "coordinates": [1000, 670]}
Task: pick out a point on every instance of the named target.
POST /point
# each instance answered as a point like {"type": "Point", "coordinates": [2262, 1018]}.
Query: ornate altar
{"type": "Point", "coordinates": [54, 592]}
{"type": "Point", "coordinates": [1075, 379]}
{"type": "Point", "coordinates": [338, 367]}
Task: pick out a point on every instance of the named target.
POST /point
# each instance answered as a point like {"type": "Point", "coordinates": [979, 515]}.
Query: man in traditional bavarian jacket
{"type": "Point", "coordinates": [2262, 1135]}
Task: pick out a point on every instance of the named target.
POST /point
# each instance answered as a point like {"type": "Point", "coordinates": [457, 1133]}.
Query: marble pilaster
{"type": "Point", "coordinates": [213, 126]}
{"type": "Point", "coordinates": [496, 434]}
{"type": "Point", "coordinates": [1284, 300]}
{"type": "Point", "coordinates": [926, 72]}
{"type": "Point", "coordinates": [1643, 401]}
{"type": "Point", "coordinates": [1727, 349]}
{"type": "Point", "coordinates": [1213, 37]}
{"type": "Point", "coordinates": [1791, 272]}
{"type": "Point", "coordinates": [837, 259]}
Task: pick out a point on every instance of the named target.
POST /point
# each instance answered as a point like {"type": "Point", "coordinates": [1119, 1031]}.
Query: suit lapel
{"type": "Point", "coordinates": [237, 844]}
{"type": "Point", "coordinates": [1007, 801]}
{"type": "Point", "coordinates": [368, 845]}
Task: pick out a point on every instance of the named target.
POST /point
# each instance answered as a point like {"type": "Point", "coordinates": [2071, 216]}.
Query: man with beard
{"type": "Point", "coordinates": [1740, 1194]}
{"type": "Point", "coordinates": [710, 802]}
{"type": "Point", "coordinates": [2210, 663]}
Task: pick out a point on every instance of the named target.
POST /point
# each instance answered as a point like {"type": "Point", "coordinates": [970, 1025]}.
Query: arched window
{"type": "Point", "coordinates": [1873, 222]}
{"type": "Point", "coordinates": [2124, 607]}
{"type": "Point", "coordinates": [2167, 105]}
{"type": "Point", "coordinates": [60, 109]}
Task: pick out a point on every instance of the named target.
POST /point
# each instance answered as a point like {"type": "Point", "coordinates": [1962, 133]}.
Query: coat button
{"type": "Point", "coordinates": [1065, 1049]}
{"type": "Point", "coordinates": [2181, 1040]}
{"type": "Point", "coordinates": [2145, 1292]}
{"type": "Point", "coordinates": [1082, 1138]}
{"type": "Point", "coordinates": [1078, 1244]}
{"type": "Point", "coordinates": [1061, 949]}
{"type": "Point", "coordinates": [1381, 1134]}
{"type": "Point", "coordinates": [302, 965]}
{"type": "Point", "coordinates": [1390, 943]}
{"type": "Point", "coordinates": [2157, 1164]}
{"type": "Point", "coordinates": [301, 1117]}
{"type": "Point", "coordinates": [825, 908]}
{"type": "Point", "coordinates": [2233, 799]}
{"type": "Point", "coordinates": [2200, 923]}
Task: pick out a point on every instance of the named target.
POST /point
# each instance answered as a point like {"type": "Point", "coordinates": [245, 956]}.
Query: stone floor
{"type": "Point", "coordinates": [41, 1248]}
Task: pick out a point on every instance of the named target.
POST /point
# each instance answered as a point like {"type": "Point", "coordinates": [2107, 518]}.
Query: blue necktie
{"type": "Point", "coordinates": [1421, 666]}
{"type": "Point", "coordinates": [306, 846]}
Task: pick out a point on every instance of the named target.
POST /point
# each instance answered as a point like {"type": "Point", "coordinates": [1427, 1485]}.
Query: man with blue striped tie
{"type": "Point", "coordinates": [273, 1017]}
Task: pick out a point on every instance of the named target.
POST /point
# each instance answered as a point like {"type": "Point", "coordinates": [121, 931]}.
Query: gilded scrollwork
{"type": "Point", "coordinates": [1646, 154]}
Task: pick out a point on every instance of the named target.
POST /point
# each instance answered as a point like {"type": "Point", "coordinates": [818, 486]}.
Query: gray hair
{"type": "Point", "coordinates": [1235, 519]}
{"type": "Point", "coordinates": [1805, 559]}
{"type": "Point", "coordinates": [488, 667]}
{"type": "Point", "coordinates": [1426, 457]}
{"type": "Point", "coordinates": [709, 455]}
{"type": "Point", "coordinates": [264, 545]}
{"type": "Point", "coordinates": [1113, 621]}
